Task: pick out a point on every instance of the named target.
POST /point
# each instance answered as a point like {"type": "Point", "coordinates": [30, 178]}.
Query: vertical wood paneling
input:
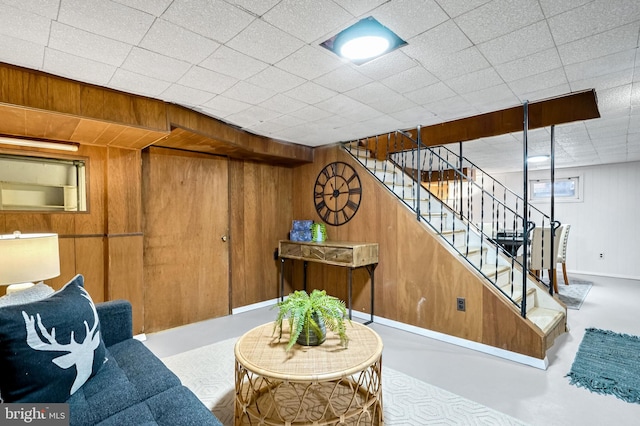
{"type": "Point", "coordinates": [261, 216]}
{"type": "Point", "coordinates": [125, 278]}
{"type": "Point", "coordinates": [124, 191]}
{"type": "Point", "coordinates": [90, 262]}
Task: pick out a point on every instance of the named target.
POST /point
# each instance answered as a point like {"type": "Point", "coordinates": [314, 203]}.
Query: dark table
{"type": "Point", "coordinates": [511, 241]}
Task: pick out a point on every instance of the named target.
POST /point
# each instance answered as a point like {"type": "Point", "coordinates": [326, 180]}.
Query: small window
{"type": "Point", "coordinates": [565, 189]}
{"type": "Point", "coordinates": [42, 184]}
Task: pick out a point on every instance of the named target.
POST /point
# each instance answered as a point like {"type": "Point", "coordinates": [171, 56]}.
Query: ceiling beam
{"type": "Point", "coordinates": [576, 106]}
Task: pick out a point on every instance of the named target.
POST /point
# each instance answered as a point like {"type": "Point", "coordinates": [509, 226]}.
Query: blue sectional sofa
{"type": "Point", "coordinates": [134, 387]}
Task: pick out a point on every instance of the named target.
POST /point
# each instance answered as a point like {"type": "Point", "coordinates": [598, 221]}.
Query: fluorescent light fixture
{"type": "Point", "coordinates": [363, 41]}
{"type": "Point", "coordinates": [538, 159]}
{"type": "Point", "coordinates": [38, 144]}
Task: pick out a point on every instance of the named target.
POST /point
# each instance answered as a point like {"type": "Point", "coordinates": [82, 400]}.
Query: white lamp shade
{"type": "Point", "coordinates": [28, 258]}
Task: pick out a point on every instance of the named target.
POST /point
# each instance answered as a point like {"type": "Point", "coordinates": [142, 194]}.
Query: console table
{"type": "Point", "coordinates": [337, 253]}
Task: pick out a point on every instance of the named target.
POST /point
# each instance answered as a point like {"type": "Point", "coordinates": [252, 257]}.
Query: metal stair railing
{"type": "Point", "coordinates": [464, 191]}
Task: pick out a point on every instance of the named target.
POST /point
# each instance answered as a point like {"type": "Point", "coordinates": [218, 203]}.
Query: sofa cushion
{"type": "Point", "coordinates": [135, 388]}
{"type": "Point", "coordinates": [51, 347]}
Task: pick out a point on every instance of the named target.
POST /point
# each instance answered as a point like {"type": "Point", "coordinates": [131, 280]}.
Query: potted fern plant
{"type": "Point", "coordinates": [309, 316]}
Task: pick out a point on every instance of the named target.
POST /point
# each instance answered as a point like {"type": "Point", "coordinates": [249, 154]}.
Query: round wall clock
{"type": "Point", "coordinates": [337, 193]}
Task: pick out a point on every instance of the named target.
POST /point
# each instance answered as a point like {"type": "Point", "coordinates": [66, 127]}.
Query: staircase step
{"type": "Point", "coordinates": [544, 318]}
{"type": "Point", "coordinates": [517, 295]}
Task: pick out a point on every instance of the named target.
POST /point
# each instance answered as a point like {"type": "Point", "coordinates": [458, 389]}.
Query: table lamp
{"type": "Point", "coordinates": [28, 258]}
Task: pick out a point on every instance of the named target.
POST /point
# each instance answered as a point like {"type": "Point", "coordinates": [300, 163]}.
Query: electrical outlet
{"type": "Point", "coordinates": [601, 255]}
{"type": "Point", "coordinates": [462, 304]}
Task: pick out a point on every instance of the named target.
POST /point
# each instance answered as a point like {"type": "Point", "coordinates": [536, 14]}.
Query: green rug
{"type": "Point", "coordinates": [607, 363]}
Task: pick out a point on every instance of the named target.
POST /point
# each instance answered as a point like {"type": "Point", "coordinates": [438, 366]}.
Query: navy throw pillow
{"type": "Point", "coordinates": [50, 348]}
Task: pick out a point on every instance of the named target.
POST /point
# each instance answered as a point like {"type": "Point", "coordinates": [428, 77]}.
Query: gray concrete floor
{"type": "Point", "coordinates": [538, 397]}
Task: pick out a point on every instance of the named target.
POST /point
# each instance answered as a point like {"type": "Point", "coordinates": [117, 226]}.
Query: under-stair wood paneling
{"type": "Point", "coordinates": [261, 205]}
{"type": "Point", "coordinates": [186, 214]}
{"type": "Point", "coordinates": [418, 278]}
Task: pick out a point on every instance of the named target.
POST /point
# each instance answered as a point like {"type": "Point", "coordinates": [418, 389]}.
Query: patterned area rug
{"type": "Point", "coordinates": [573, 295]}
{"type": "Point", "coordinates": [607, 363]}
{"type": "Point", "coordinates": [209, 372]}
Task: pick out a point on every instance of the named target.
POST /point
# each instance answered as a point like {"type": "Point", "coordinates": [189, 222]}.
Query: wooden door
{"type": "Point", "coordinates": [186, 254]}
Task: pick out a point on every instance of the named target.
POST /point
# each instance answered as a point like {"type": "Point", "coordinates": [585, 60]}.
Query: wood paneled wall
{"type": "Point", "coordinates": [261, 213]}
{"type": "Point", "coordinates": [417, 278]}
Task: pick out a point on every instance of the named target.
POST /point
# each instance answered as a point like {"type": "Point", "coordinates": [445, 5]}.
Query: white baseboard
{"type": "Point", "coordinates": [141, 337]}
{"type": "Point", "coordinates": [600, 274]}
{"type": "Point", "coordinates": [258, 305]}
{"type": "Point", "coordinates": [480, 347]}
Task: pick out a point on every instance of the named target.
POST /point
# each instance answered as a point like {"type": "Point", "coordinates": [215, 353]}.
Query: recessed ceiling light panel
{"type": "Point", "coordinates": [364, 41]}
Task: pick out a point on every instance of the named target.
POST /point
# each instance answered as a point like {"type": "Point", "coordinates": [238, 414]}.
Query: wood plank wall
{"type": "Point", "coordinates": [417, 281]}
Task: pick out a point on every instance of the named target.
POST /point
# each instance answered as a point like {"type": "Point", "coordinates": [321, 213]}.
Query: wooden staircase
{"type": "Point", "coordinates": [498, 271]}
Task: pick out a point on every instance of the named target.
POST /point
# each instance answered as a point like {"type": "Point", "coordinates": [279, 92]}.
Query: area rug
{"type": "Point", "coordinates": [209, 372]}
{"type": "Point", "coordinates": [607, 363]}
{"type": "Point", "coordinates": [573, 295]}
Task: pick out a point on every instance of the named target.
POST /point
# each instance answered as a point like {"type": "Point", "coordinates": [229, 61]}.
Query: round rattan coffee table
{"type": "Point", "coordinates": [317, 385]}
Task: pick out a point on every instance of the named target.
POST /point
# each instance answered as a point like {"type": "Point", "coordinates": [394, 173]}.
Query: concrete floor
{"type": "Point", "coordinates": [538, 397]}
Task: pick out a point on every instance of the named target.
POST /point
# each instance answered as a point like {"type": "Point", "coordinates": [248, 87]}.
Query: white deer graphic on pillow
{"type": "Point", "coordinates": [79, 354]}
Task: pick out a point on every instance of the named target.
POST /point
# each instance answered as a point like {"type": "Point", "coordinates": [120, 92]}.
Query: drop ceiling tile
{"type": "Point", "coordinates": [286, 121]}
{"type": "Point", "coordinates": [408, 18]}
{"type": "Point", "coordinates": [248, 93]}
{"type": "Point", "coordinates": [283, 104]}
{"type": "Point", "coordinates": [444, 39]}
{"type": "Point", "coordinates": [603, 44]}
{"type": "Point", "coordinates": [359, 8]}
{"type": "Point", "coordinates": [537, 82]}
{"type": "Point", "coordinates": [233, 63]}
{"type": "Point", "coordinates": [593, 18]}
{"type": "Point", "coordinates": [130, 82]}
{"type": "Point", "coordinates": [635, 96]}
{"type": "Point", "coordinates": [187, 96]}
{"type": "Point", "coordinates": [252, 116]}
{"type": "Point", "coordinates": [473, 81]}
{"type": "Point", "coordinates": [258, 8]}
{"type": "Point", "coordinates": [501, 96]}
{"type": "Point", "coordinates": [451, 108]}
{"type": "Point", "coordinates": [74, 67]}
{"type": "Point", "coordinates": [214, 19]}
{"type": "Point", "coordinates": [310, 93]}
{"type": "Point", "coordinates": [387, 65]}
{"type": "Point", "coordinates": [106, 18]}
{"type": "Point", "coordinates": [265, 42]}
{"type": "Point", "coordinates": [21, 52]}
{"type": "Point", "coordinates": [555, 7]}
{"type": "Point", "coordinates": [209, 81]}
{"type": "Point", "coordinates": [24, 25]}
{"type": "Point", "coordinates": [531, 65]}
{"type": "Point", "coordinates": [458, 7]}
{"type": "Point", "coordinates": [615, 98]}
{"type": "Point", "coordinates": [498, 18]}
{"type": "Point", "coordinates": [154, 65]}
{"type": "Point", "coordinates": [540, 94]}
{"type": "Point", "coordinates": [602, 66]}
{"type": "Point", "coordinates": [88, 45]}
{"type": "Point", "coordinates": [457, 64]}
{"type": "Point", "coordinates": [171, 40]}
{"type": "Point", "coordinates": [310, 62]}
{"type": "Point", "coordinates": [606, 81]}
{"type": "Point", "coordinates": [381, 97]}
{"type": "Point", "coordinates": [221, 106]}
{"type": "Point", "coordinates": [308, 20]}
{"type": "Point", "coordinates": [275, 79]}
{"type": "Point", "coordinates": [266, 128]}
{"type": "Point", "coordinates": [410, 80]}
{"type": "Point", "coordinates": [342, 79]}
{"type": "Point", "coordinates": [46, 8]}
{"type": "Point", "coordinates": [432, 93]}
{"type": "Point", "coordinates": [154, 7]}
{"type": "Point", "coordinates": [348, 107]}
{"type": "Point", "coordinates": [517, 44]}
{"type": "Point", "coordinates": [413, 116]}
{"type": "Point", "coordinates": [311, 113]}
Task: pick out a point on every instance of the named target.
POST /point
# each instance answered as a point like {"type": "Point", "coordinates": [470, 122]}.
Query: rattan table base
{"type": "Point", "coordinates": [284, 393]}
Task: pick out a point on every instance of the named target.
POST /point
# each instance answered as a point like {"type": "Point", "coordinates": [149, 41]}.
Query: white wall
{"type": "Point", "coordinates": [606, 220]}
